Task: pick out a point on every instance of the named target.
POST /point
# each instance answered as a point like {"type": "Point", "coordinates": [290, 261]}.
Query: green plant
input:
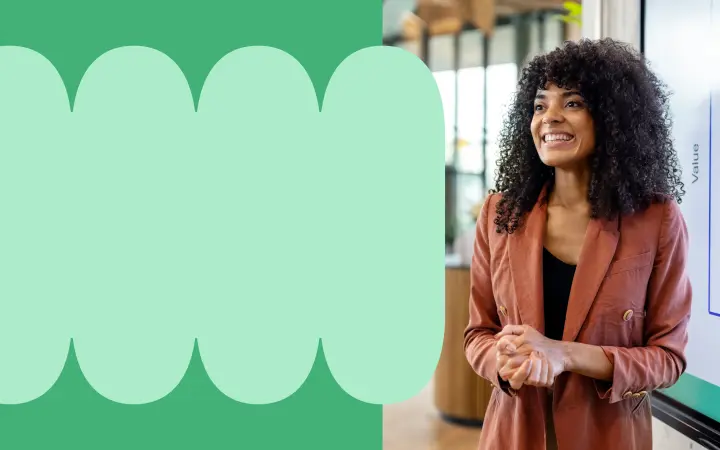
{"type": "Point", "coordinates": [573, 14]}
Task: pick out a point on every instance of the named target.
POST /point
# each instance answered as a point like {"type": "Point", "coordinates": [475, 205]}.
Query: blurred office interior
{"type": "Point", "coordinates": [475, 50]}
{"type": "Point", "coordinates": [476, 67]}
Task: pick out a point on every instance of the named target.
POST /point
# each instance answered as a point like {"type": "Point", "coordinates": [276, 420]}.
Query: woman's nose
{"type": "Point", "coordinates": [552, 115]}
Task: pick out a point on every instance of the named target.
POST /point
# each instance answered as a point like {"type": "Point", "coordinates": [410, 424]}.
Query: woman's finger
{"type": "Point", "coordinates": [523, 348]}
{"type": "Point", "coordinates": [543, 380]}
{"type": "Point", "coordinates": [511, 366]}
{"type": "Point", "coordinates": [511, 330]}
{"type": "Point", "coordinates": [536, 373]}
{"type": "Point", "coordinates": [506, 345]}
{"type": "Point", "coordinates": [520, 375]}
{"type": "Point", "coordinates": [500, 364]}
{"type": "Point", "coordinates": [501, 360]}
{"type": "Point", "coordinates": [550, 379]}
{"type": "Point", "coordinates": [504, 370]}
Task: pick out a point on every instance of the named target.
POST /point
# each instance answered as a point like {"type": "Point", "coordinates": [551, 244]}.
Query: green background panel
{"type": "Point", "coordinates": [320, 415]}
{"type": "Point", "coordinates": [195, 34]}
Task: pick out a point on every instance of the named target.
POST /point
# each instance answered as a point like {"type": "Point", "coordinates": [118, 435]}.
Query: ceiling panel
{"type": "Point", "coordinates": [395, 11]}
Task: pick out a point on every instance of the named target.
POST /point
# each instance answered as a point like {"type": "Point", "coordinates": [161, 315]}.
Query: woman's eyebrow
{"type": "Point", "coordinates": [542, 96]}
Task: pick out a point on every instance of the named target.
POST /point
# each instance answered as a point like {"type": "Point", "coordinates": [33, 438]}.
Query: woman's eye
{"type": "Point", "coordinates": [574, 104]}
{"type": "Point", "coordinates": [538, 107]}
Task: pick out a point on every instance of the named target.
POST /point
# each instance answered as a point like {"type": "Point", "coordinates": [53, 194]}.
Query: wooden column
{"type": "Point", "coordinates": [461, 395]}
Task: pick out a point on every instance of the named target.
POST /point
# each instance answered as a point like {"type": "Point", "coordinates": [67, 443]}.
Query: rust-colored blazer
{"type": "Point", "coordinates": [630, 295]}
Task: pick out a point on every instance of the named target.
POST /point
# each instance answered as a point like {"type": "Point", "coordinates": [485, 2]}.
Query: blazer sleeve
{"type": "Point", "coordinates": [484, 322]}
{"type": "Point", "coordinates": [662, 360]}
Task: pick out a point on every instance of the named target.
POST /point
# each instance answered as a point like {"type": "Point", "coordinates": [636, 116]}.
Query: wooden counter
{"type": "Point", "coordinates": [461, 395]}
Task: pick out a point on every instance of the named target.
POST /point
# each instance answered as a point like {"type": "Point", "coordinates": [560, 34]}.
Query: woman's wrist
{"type": "Point", "coordinates": [568, 356]}
{"type": "Point", "coordinates": [587, 360]}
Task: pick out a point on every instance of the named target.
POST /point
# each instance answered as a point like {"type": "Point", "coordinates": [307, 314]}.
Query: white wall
{"type": "Point", "coordinates": [619, 19]}
{"type": "Point", "coordinates": [666, 438]}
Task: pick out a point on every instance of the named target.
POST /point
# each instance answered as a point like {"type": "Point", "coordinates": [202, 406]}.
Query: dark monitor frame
{"type": "Point", "coordinates": [696, 426]}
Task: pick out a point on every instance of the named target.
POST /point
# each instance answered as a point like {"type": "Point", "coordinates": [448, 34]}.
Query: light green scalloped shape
{"type": "Point", "coordinates": [258, 116]}
{"type": "Point", "coordinates": [257, 225]}
{"type": "Point", "coordinates": [384, 299]}
{"type": "Point", "coordinates": [35, 312]}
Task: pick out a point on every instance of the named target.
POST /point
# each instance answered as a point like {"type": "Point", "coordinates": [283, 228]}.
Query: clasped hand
{"type": "Point", "coordinates": [525, 356]}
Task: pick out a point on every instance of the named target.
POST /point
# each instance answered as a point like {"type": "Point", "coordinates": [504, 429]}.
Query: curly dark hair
{"type": "Point", "coordinates": [634, 163]}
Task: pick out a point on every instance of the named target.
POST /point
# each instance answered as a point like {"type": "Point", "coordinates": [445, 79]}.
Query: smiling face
{"type": "Point", "coordinates": [562, 127]}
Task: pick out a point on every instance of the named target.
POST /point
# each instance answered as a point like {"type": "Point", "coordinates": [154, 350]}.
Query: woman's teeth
{"type": "Point", "coordinates": [557, 137]}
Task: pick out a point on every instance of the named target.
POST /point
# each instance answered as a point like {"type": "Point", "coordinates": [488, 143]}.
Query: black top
{"type": "Point", "coordinates": [557, 281]}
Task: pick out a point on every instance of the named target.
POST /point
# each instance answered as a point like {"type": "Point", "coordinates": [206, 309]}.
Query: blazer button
{"type": "Point", "coordinates": [503, 310]}
{"type": "Point", "coordinates": [628, 315]}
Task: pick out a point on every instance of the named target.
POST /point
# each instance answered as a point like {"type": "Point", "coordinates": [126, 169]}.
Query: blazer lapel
{"type": "Point", "coordinates": [601, 240]}
{"type": "Point", "coordinates": [525, 248]}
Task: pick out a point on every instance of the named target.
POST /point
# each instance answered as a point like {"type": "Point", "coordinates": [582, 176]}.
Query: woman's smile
{"type": "Point", "coordinates": [562, 127]}
{"type": "Point", "coordinates": [558, 141]}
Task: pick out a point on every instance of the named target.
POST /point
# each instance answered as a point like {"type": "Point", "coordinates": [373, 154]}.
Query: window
{"type": "Point", "coordinates": [446, 86]}
{"type": "Point", "coordinates": [464, 75]}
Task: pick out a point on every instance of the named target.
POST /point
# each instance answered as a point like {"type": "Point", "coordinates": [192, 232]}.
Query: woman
{"type": "Point", "coordinates": [580, 301]}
